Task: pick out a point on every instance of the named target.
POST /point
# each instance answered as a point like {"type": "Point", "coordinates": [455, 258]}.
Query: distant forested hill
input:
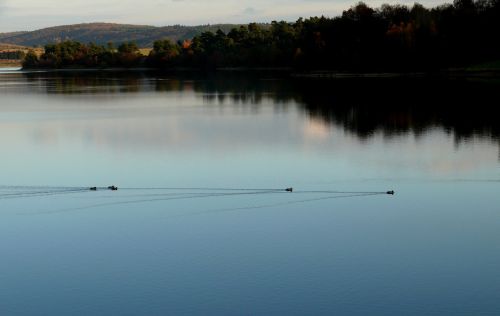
{"type": "Point", "coordinates": [102, 33]}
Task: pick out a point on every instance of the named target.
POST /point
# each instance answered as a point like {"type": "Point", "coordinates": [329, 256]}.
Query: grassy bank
{"type": "Point", "coordinates": [10, 63]}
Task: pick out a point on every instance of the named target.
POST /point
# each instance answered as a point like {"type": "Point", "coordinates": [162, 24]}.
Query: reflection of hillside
{"type": "Point", "coordinates": [360, 106]}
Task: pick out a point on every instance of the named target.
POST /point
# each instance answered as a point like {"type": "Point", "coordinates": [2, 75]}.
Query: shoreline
{"type": "Point", "coordinates": [313, 74]}
{"type": "Point", "coordinates": [10, 63]}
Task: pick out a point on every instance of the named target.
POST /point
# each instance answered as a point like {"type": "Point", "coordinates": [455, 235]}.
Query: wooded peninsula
{"type": "Point", "coordinates": [391, 38]}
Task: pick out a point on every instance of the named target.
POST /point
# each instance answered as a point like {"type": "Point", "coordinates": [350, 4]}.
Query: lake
{"type": "Point", "coordinates": [151, 248]}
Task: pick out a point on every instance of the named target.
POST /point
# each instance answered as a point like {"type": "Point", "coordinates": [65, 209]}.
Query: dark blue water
{"type": "Point", "coordinates": [432, 249]}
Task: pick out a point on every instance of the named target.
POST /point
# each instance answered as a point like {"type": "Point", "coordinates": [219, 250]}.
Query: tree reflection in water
{"type": "Point", "coordinates": [362, 106]}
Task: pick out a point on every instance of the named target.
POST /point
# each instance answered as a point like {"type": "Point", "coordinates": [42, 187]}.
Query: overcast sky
{"type": "Point", "coordinates": [18, 15]}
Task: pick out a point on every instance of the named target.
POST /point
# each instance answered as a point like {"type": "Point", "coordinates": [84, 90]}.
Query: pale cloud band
{"type": "Point", "coordinates": [30, 14]}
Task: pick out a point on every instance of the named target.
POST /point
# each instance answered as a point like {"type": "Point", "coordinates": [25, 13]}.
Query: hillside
{"type": "Point", "coordinates": [10, 34]}
{"type": "Point", "coordinates": [102, 33]}
{"type": "Point", "coordinates": [9, 56]}
{"type": "Point", "coordinates": [11, 47]}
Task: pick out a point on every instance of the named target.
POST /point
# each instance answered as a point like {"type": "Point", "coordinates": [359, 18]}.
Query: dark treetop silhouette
{"type": "Point", "coordinates": [389, 38]}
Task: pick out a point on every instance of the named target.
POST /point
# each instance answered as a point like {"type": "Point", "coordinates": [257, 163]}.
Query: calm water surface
{"type": "Point", "coordinates": [432, 249]}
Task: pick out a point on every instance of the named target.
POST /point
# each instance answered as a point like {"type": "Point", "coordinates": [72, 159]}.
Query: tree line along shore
{"type": "Point", "coordinates": [391, 38]}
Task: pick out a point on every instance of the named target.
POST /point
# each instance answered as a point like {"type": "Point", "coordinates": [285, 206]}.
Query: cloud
{"type": "Point", "coordinates": [2, 6]}
{"type": "Point", "coordinates": [250, 11]}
